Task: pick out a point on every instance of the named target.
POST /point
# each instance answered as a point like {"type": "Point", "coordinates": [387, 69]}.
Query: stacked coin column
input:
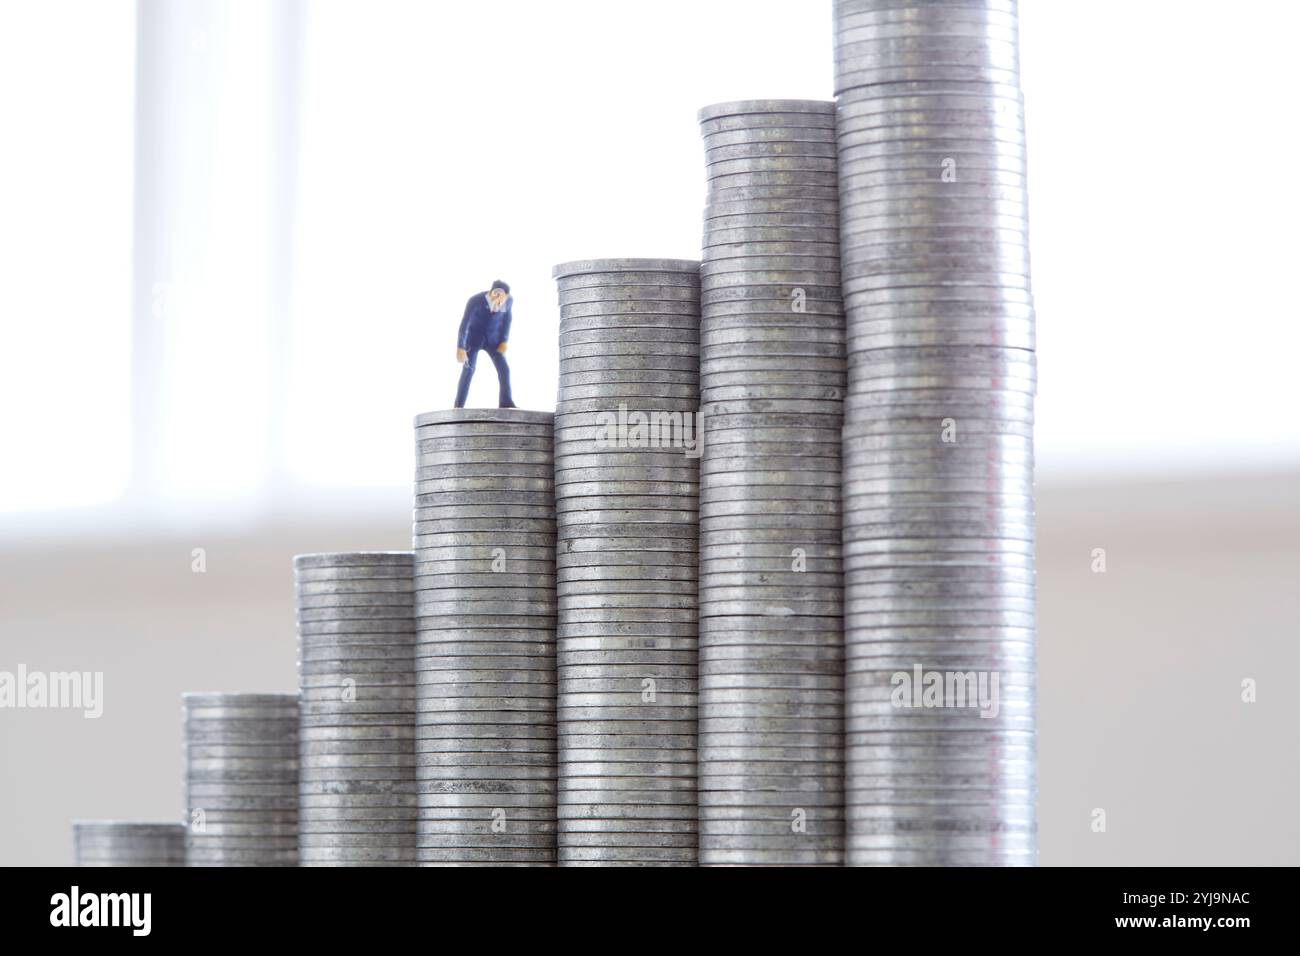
{"type": "Point", "coordinates": [626, 485]}
{"type": "Point", "coordinates": [110, 843]}
{"type": "Point", "coordinates": [938, 447]}
{"type": "Point", "coordinates": [771, 586]}
{"type": "Point", "coordinates": [485, 648]}
{"type": "Point", "coordinates": [241, 779]}
{"type": "Point", "coordinates": [356, 673]}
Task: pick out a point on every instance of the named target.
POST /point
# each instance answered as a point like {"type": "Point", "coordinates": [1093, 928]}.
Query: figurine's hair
{"type": "Point", "coordinates": [498, 284]}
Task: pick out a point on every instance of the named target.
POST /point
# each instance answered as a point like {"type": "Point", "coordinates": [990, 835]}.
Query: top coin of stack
{"type": "Point", "coordinates": [485, 653]}
{"type": "Point", "coordinates": [356, 672]}
{"type": "Point", "coordinates": [626, 486]}
{"type": "Point", "coordinates": [114, 843]}
{"type": "Point", "coordinates": [241, 779]}
{"type": "Point", "coordinates": [772, 377]}
{"type": "Point", "coordinates": [938, 439]}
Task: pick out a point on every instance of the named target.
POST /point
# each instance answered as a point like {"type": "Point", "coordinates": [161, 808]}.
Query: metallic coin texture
{"type": "Point", "coordinates": [772, 384]}
{"type": "Point", "coordinates": [627, 445]}
{"type": "Point", "coordinates": [356, 676]}
{"type": "Point", "coordinates": [118, 843]}
{"type": "Point", "coordinates": [241, 779]}
{"type": "Point", "coordinates": [482, 676]}
{"type": "Point", "coordinates": [937, 492]}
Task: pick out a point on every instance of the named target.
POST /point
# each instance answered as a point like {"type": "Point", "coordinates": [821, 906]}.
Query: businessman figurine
{"type": "Point", "coordinates": [486, 325]}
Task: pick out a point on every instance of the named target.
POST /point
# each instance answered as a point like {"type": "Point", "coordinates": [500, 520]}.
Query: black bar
{"type": "Point", "coordinates": [582, 907]}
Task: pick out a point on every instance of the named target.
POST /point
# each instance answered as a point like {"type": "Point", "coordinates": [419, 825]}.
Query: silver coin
{"type": "Point", "coordinates": [646, 298]}
{"type": "Point", "coordinates": [626, 337]}
{"type": "Point", "coordinates": [201, 855]}
{"type": "Point", "coordinates": [942, 204]}
{"type": "Point", "coordinates": [397, 560]}
{"type": "Point", "coordinates": [762, 444]}
{"type": "Point", "coordinates": [628, 280]}
{"type": "Point", "coordinates": [586, 266]}
{"type": "Point", "coordinates": [447, 440]}
{"type": "Point", "coordinates": [386, 578]}
{"type": "Point", "coordinates": [951, 793]}
{"type": "Point", "coordinates": [863, 176]}
{"type": "Point", "coordinates": [782, 176]}
{"type": "Point", "coordinates": [796, 130]}
{"type": "Point", "coordinates": [755, 646]}
{"type": "Point", "coordinates": [614, 355]}
{"type": "Point", "coordinates": [466, 460]}
{"type": "Point", "coordinates": [923, 67]}
{"type": "Point", "coordinates": [886, 176]}
{"type": "Point", "coordinates": [878, 270]}
{"type": "Point", "coordinates": [760, 155]}
{"type": "Point", "coordinates": [1000, 120]}
{"type": "Point", "coordinates": [268, 838]}
{"type": "Point", "coordinates": [503, 738]}
{"type": "Point", "coordinates": [870, 247]}
{"type": "Point", "coordinates": [824, 108]}
{"type": "Point", "coordinates": [1013, 817]}
{"type": "Point", "coordinates": [200, 754]}
{"type": "Point", "coordinates": [469, 540]}
{"type": "Point", "coordinates": [794, 221]}
{"type": "Point", "coordinates": [128, 832]}
{"type": "Point", "coordinates": [380, 631]}
{"type": "Point", "coordinates": [790, 124]}
{"type": "Point", "coordinates": [481, 421]}
{"type": "Point", "coordinates": [824, 321]}
{"type": "Point", "coordinates": [614, 314]}
{"type": "Point", "coordinates": [237, 705]}
{"type": "Point", "coordinates": [783, 139]}
{"type": "Point", "coordinates": [848, 37]}
{"type": "Point", "coordinates": [750, 296]}
{"type": "Point", "coordinates": [783, 253]}
{"type": "Point", "coordinates": [585, 310]}
{"type": "Point", "coordinates": [929, 15]}
{"type": "Point", "coordinates": [961, 146]}
{"type": "Point", "coordinates": [993, 62]}
{"type": "Point", "coordinates": [253, 732]}
{"type": "Point", "coordinates": [450, 417]}
{"type": "Point", "coordinates": [982, 48]}
{"type": "Point", "coordinates": [718, 169]}
{"type": "Point", "coordinates": [393, 590]}
{"type": "Point", "coordinates": [898, 335]}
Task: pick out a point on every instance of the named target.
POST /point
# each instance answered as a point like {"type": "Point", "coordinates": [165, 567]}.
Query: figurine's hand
{"type": "Point", "coordinates": [461, 357]}
{"type": "Point", "coordinates": [502, 347]}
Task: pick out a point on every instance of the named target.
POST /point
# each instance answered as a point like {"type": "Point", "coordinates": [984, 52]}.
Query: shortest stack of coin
{"type": "Point", "coordinates": [114, 843]}
{"type": "Point", "coordinates": [356, 671]}
{"type": "Point", "coordinates": [241, 779]}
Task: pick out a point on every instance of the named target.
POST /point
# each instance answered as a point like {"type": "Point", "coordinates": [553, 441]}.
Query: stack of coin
{"type": "Point", "coordinates": [938, 437]}
{"type": "Point", "coordinates": [772, 376]}
{"type": "Point", "coordinates": [241, 779]}
{"type": "Point", "coordinates": [485, 637]}
{"type": "Point", "coordinates": [112, 843]}
{"type": "Point", "coordinates": [627, 499]}
{"type": "Point", "coordinates": [356, 675]}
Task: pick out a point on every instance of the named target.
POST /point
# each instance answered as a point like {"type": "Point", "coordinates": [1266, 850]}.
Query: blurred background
{"type": "Point", "coordinates": [236, 239]}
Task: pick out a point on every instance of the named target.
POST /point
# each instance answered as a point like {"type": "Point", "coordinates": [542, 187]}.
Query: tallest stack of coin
{"type": "Point", "coordinates": [626, 486]}
{"type": "Point", "coordinates": [938, 435]}
{"type": "Point", "coordinates": [771, 389]}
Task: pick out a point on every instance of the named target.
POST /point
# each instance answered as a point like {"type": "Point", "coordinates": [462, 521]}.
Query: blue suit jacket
{"type": "Point", "coordinates": [483, 328]}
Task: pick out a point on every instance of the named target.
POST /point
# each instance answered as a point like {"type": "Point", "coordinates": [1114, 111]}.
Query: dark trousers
{"type": "Point", "coordinates": [467, 374]}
